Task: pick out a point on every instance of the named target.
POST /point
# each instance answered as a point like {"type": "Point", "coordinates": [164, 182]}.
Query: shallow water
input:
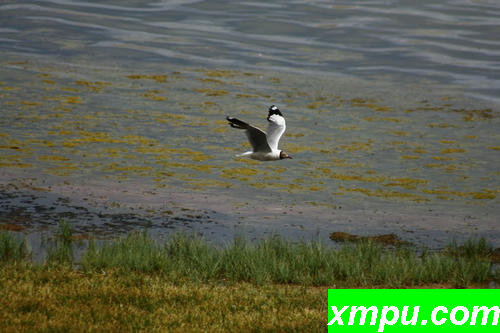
{"type": "Point", "coordinates": [114, 117]}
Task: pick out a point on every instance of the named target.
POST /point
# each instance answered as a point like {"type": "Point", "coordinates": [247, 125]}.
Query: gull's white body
{"type": "Point", "coordinates": [264, 144]}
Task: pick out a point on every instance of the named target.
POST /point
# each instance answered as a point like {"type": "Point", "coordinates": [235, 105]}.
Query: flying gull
{"type": "Point", "coordinates": [264, 145]}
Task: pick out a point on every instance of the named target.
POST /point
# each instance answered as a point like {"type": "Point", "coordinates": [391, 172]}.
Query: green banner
{"type": "Point", "coordinates": [413, 310]}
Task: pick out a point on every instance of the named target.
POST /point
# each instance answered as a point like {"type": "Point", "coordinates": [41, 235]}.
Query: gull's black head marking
{"type": "Point", "coordinates": [273, 109]}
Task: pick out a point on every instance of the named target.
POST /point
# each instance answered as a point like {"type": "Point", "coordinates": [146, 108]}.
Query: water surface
{"type": "Point", "coordinates": [113, 117]}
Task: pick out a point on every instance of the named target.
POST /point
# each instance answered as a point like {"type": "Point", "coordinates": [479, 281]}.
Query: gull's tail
{"type": "Point", "coordinates": [236, 123]}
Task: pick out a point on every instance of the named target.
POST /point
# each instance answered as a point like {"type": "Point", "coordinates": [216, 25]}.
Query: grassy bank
{"type": "Point", "coordinates": [63, 299]}
{"type": "Point", "coordinates": [188, 284]}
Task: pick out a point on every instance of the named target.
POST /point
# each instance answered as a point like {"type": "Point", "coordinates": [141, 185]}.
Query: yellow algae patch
{"type": "Point", "coordinates": [134, 168]}
{"type": "Point", "coordinates": [448, 141]}
{"type": "Point", "coordinates": [444, 158]}
{"type": "Point", "coordinates": [198, 184]}
{"type": "Point", "coordinates": [399, 133]}
{"type": "Point", "coordinates": [212, 92]}
{"type": "Point", "coordinates": [476, 115]}
{"type": "Point", "coordinates": [16, 165]}
{"type": "Point", "coordinates": [315, 105]}
{"type": "Point", "coordinates": [349, 128]}
{"type": "Point", "coordinates": [28, 103]}
{"type": "Point", "coordinates": [182, 153]}
{"type": "Point", "coordinates": [245, 96]}
{"type": "Point", "coordinates": [113, 152]}
{"type": "Point", "coordinates": [93, 86]}
{"type": "Point", "coordinates": [157, 78]}
{"type": "Point", "coordinates": [369, 103]}
{"type": "Point", "coordinates": [153, 150]}
{"type": "Point", "coordinates": [494, 148]}
{"type": "Point", "coordinates": [408, 183]}
{"type": "Point", "coordinates": [219, 129]}
{"type": "Point", "coordinates": [238, 173]}
{"type": "Point", "coordinates": [482, 195]}
{"type": "Point", "coordinates": [452, 150]}
{"type": "Point", "coordinates": [65, 99]}
{"type": "Point", "coordinates": [357, 146]}
{"type": "Point", "coordinates": [316, 188]}
{"type": "Point", "coordinates": [442, 125]}
{"type": "Point", "coordinates": [485, 195]}
{"type": "Point", "coordinates": [276, 169]}
{"type": "Point", "coordinates": [69, 89]}
{"type": "Point", "coordinates": [294, 148]}
{"type": "Point", "coordinates": [63, 169]}
{"type": "Point", "coordinates": [446, 167]}
{"type": "Point", "coordinates": [294, 135]}
{"type": "Point", "coordinates": [152, 94]}
{"type": "Point", "coordinates": [197, 167]}
{"type": "Point", "coordinates": [10, 158]}
{"type": "Point", "coordinates": [52, 158]}
{"type": "Point", "coordinates": [137, 139]}
{"type": "Point", "coordinates": [384, 194]}
{"type": "Point", "coordinates": [321, 172]}
{"type": "Point", "coordinates": [91, 137]}
{"type": "Point", "coordinates": [220, 73]}
{"type": "Point", "coordinates": [385, 119]}
{"type": "Point", "coordinates": [209, 80]}
{"type": "Point", "coordinates": [410, 157]}
{"type": "Point", "coordinates": [7, 88]}
{"type": "Point", "coordinates": [419, 151]}
{"type": "Point", "coordinates": [165, 117]}
{"type": "Point", "coordinates": [342, 163]}
{"type": "Point", "coordinates": [96, 137]}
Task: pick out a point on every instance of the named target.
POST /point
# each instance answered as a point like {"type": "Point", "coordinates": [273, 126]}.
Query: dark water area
{"type": "Point", "coordinates": [113, 117]}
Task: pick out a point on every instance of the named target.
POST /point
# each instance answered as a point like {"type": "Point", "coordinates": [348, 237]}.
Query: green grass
{"type": "Point", "coordinates": [275, 260]}
{"type": "Point", "coordinates": [185, 283]}
{"type": "Point", "coordinates": [60, 251]}
{"type": "Point", "coordinates": [12, 248]}
{"type": "Point", "coordinates": [270, 261]}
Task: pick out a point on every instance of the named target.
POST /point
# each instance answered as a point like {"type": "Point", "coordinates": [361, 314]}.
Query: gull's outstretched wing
{"type": "Point", "coordinates": [276, 127]}
{"type": "Point", "coordinates": [256, 136]}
